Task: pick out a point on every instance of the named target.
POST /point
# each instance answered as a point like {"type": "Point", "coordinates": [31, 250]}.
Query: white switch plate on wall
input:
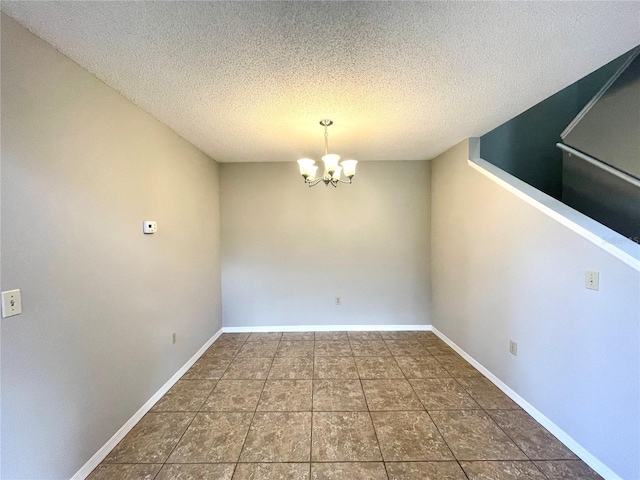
{"type": "Point", "coordinates": [11, 303]}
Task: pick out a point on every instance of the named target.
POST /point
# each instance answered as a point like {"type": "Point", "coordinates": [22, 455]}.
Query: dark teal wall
{"type": "Point", "coordinates": [525, 146]}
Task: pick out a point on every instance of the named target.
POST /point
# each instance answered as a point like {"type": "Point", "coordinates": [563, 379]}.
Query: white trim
{"type": "Point", "coordinates": [599, 164]}
{"type": "Point", "coordinates": [327, 328]}
{"type": "Point", "coordinates": [100, 455]}
{"type": "Point", "coordinates": [608, 240]}
{"type": "Point", "coordinates": [599, 95]}
{"type": "Point", "coordinates": [555, 430]}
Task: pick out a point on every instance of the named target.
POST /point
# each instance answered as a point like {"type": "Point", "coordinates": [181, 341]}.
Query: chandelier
{"type": "Point", "coordinates": [332, 171]}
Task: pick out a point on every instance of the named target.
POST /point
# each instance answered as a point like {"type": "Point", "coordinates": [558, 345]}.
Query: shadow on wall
{"type": "Point", "coordinates": [525, 146]}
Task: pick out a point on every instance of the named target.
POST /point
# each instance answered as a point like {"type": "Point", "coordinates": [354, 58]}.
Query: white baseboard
{"type": "Point", "coordinates": [327, 328]}
{"type": "Point", "coordinates": [604, 471]}
{"type": "Point", "coordinates": [100, 455]}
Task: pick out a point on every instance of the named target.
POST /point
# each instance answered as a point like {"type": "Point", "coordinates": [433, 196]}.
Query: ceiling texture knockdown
{"type": "Point", "coordinates": [249, 81]}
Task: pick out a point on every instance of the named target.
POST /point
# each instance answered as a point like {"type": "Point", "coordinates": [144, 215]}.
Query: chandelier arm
{"type": "Point", "coordinates": [313, 183]}
{"type": "Point", "coordinates": [344, 181]}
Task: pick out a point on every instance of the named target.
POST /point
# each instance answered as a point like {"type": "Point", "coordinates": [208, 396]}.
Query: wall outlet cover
{"type": "Point", "coordinates": [150, 226]}
{"type": "Point", "coordinates": [592, 280]}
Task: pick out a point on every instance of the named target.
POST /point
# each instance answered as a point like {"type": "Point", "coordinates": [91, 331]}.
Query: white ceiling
{"type": "Point", "coordinates": [249, 81]}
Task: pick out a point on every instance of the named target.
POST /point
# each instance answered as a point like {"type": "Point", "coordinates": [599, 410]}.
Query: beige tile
{"type": "Point", "coordinates": [440, 348]}
{"type": "Point", "coordinates": [338, 395]}
{"type": "Point", "coordinates": [406, 347]}
{"type": "Point", "coordinates": [409, 436]}
{"type": "Point", "coordinates": [348, 471]}
{"type": "Point", "coordinates": [226, 352]}
{"type": "Point", "coordinates": [378, 367]}
{"type": "Point", "coordinates": [295, 348]}
{"type": "Point", "coordinates": [264, 337]}
{"type": "Point", "coordinates": [364, 335]}
{"type": "Point", "coordinates": [272, 471]}
{"type": "Point", "coordinates": [286, 395]}
{"type": "Point", "coordinates": [323, 336]}
{"type": "Point", "coordinates": [207, 368]}
{"type": "Point", "coordinates": [196, 471]}
{"type": "Point", "coordinates": [152, 439]}
{"type": "Point", "coordinates": [421, 367]}
{"type": "Point", "coordinates": [296, 336]}
{"type": "Point", "coordinates": [398, 335]}
{"type": "Point", "coordinates": [125, 472]}
{"type": "Point", "coordinates": [290, 368]}
{"type": "Point", "coordinates": [487, 394]}
{"type": "Point", "coordinates": [457, 366]}
{"type": "Point", "coordinates": [369, 348]}
{"type": "Point", "coordinates": [567, 470]}
{"type": "Point", "coordinates": [259, 349]}
{"type": "Point", "coordinates": [344, 437]}
{"type": "Point", "coordinates": [212, 437]}
{"type": "Point", "coordinates": [425, 471]}
{"type": "Point", "coordinates": [472, 435]}
{"type": "Point", "coordinates": [278, 437]}
{"type": "Point", "coordinates": [432, 341]}
{"type": "Point", "coordinates": [335, 368]}
{"type": "Point", "coordinates": [424, 336]}
{"type": "Point", "coordinates": [501, 470]}
{"type": "Point", "coordinates": [232, 337]}
{"type": "Point", "coordinates": [390, 394]}
{"type": "Point", "coordinates": [442, 394]}
{"type": "Point", "coordinates": [248, 369]}
{"type": "Point", "coordinates": [333, 348]}
{"type": "Point", "coordinates": [533, 439]}
{"type": "Point", "coordinates": [234, 396]}
{"type": "Point", "coordinates": [185, 396]}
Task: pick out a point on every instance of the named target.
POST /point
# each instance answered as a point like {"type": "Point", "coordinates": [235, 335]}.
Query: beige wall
{"type": "Point", "coordinates": [82, 167]}
{"type": "Point", "coordinates": [503, 270]}
{"type": "Point", "coordinates": [289, 250]}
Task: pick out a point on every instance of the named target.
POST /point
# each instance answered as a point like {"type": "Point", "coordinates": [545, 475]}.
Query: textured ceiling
{"type": "Point", "coordinates": [249, 81]}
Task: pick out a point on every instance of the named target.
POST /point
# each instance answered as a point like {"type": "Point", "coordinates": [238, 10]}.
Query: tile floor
{"type": "Point", "coordinates": [337, 405]}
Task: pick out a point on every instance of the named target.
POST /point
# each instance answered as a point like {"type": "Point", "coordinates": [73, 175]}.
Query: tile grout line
{"type": "Point", "coordinates": [431, 418]}
{"type": "Point", "coordinates": [529, 459]}
{"type": "Point", "coordinates": [373, 425]}
{"type": "Point", "coordinates": [244, 442]}
{"type": "Point", "coordinates": [200, 409]}
{"type": "Point", "coordinates": [235, 466]}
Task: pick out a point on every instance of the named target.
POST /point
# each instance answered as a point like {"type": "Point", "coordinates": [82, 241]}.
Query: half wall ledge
{"type": "Point", "coordinates": [619, 246]}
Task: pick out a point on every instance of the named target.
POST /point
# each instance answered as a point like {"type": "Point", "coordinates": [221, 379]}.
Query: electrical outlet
{"type": "Point", "coordinates": [592, 280]}
{"type": "Point", "coordinates": [173, 338]}
{"type": "Point", "coordinates": [149, 226]}
{"type": "Point", "coordinates": [338, 301]}
{"type": "Point", "coordinates": [11, 303]}
{"type": "Point", "coordinates": [513, 348]}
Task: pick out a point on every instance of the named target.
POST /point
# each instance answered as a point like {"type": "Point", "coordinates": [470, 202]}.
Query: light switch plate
{"type": "Point", "coordinates": [150, 226]}
{"type": "Point", "coordinates": [11, 303]}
